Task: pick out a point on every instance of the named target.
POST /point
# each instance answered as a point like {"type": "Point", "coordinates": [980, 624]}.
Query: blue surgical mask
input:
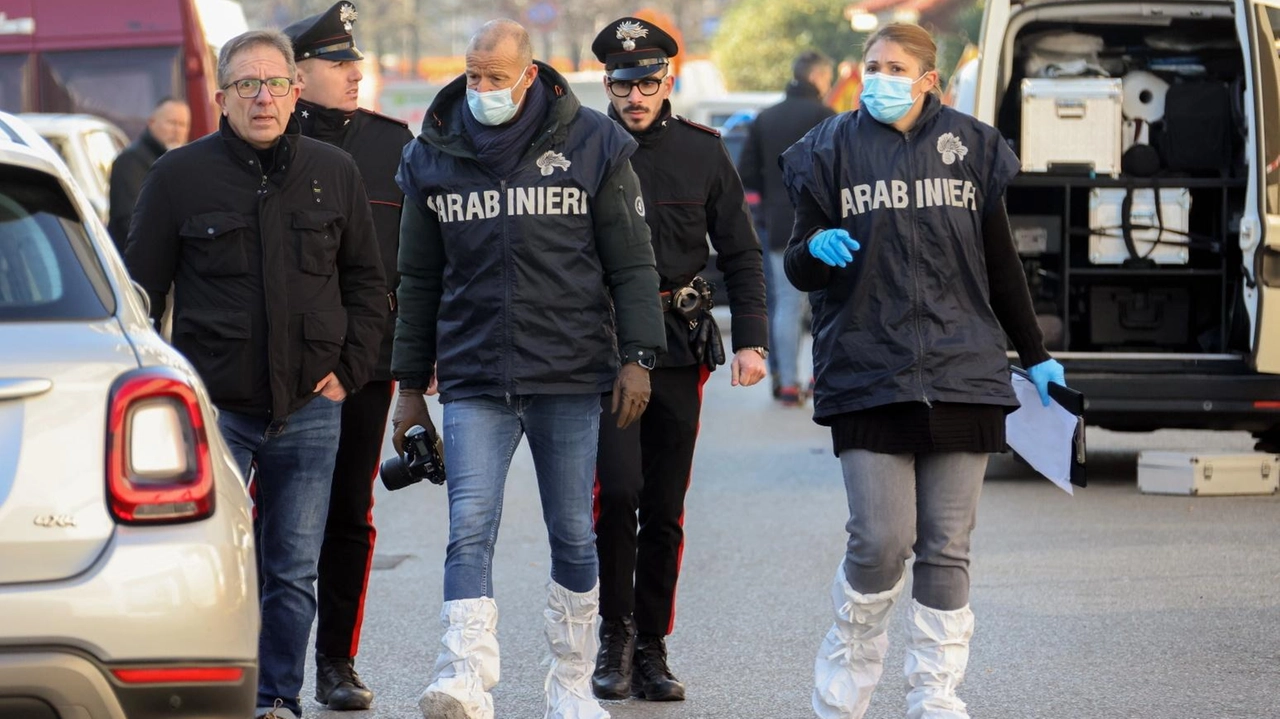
{"type": "Point", "coordinates": [495, 107]}
{"type": "Point", "coordinates": [888, 97]}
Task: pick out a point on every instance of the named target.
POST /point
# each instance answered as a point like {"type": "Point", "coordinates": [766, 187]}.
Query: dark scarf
{"type": "Point", "coordinates": [502, 147]}
{"type": "Point", "coordinates": [322, 123]}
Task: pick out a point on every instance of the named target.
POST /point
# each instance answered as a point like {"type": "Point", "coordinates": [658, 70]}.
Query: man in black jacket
{"type": "Point", "coordinates": [279, 304]}
{"type": "Point", "coordinates": [166, 129]}
{"type": "Point", "coordinates": [523, 238]}
{"type": "Point", "coordinates": [774, 130]}
{"type": "Point", "coordinates": [328, 62]}
{"type": "Point", "coordinates": [691, 191]}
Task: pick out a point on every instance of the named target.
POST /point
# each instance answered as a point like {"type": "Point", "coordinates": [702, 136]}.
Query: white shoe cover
{"type": "Point", "coordinates": [851, 657]}
{"type": "Point", "coordinates": [467, 668]}
{"type": "Point", "coordinates": [571, 633]}
{"type": "Point", "coordinates": [937, 654]}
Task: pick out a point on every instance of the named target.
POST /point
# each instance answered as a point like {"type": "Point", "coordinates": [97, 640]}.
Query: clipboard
{"type": "Point", "coordinates": [1073, 402]}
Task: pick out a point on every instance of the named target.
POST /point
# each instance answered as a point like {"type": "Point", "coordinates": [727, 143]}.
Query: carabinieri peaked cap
{"type": "Point", "coordinates": [326, 36]}
{"type": "Point", "coordinates": [631, 48]}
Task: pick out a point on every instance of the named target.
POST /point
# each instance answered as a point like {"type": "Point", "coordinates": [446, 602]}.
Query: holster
{"type": "Point", "coordinates": [704, 333]}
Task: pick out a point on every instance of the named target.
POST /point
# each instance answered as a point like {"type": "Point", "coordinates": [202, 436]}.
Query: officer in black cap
{"type": "Point", "coordinates": [328, 63]}
{"type": "Point", "coordinates": [690, 190]}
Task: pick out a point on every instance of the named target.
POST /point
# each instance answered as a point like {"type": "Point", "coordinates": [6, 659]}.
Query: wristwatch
{"type": "Point", "coordinates": [764, 353]}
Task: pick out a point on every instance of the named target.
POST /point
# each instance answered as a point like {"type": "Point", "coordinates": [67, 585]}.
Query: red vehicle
{"type": "Point", "coordinates": [112, 59]}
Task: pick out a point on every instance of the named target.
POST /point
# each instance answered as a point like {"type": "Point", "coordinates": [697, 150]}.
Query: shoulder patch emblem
{"type": "Point", "coordinates": [951, 149]}
{"type": "Point", "coordinates": [550, 160]}
{"type": "Point", "coordinates": [640, 206]}
{"type": "Point", "coordinates": [698, 125]}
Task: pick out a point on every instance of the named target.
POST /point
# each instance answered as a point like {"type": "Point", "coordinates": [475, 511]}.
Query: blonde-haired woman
{"type": "Point", "coordinates": [903, 241]}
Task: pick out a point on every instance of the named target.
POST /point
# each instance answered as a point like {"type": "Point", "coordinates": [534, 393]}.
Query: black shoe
{"type": "Point", "coordinates": [338, 685]}
{"type": "Point", "coordinates": [652, 679]}
{"type": "Point", "coordinates": [612, 677]}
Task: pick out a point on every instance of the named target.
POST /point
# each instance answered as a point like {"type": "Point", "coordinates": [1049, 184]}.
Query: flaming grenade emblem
{"type": "Point", "coordinates": [951, 148]}
{"type": "Point", "coordinates": [629, 32]}
{"type": "Point", "coordinates": [550, 160]}
{"type": "Point", "coordinates": [347, 14]}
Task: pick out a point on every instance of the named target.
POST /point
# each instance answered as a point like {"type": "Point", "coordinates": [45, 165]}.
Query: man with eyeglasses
{"type": "Point", "coordinates": [280, 306]}
{"type": "Point", "coordinates": [690, 190]}
{"type": "Point", "coordinates": [329, 64]}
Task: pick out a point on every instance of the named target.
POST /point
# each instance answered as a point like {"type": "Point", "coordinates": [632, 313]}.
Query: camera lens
{"type": "Point", "coordinates": [395, 474]}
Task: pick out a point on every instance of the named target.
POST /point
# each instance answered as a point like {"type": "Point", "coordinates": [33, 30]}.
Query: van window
{"type": "Point", "coordinates": [44, 265]}
{"type": "Point", "coordinates": [119, 85]}
{"type": "Point", "coordinates": [1269, 92]}
{"type": "Point", "coordinates": [13, 82]}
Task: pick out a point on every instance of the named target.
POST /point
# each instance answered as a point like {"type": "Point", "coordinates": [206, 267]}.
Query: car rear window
{"type": "Point", "coordinates": [47, 270]}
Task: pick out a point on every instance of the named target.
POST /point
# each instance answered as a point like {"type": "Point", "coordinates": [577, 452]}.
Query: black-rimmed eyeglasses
{"type": "Point", "coordinates": [250, 87]}
{"type": "Point", "coordinates": [648, 86]}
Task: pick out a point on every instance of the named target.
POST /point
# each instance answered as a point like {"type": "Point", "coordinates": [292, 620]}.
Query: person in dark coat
{"type": "Point", "coordinates": [902, 240]}
{"type": "Point", "coordinates": [280, 304]}
{"type": "Point", "coordinates": [774, 130]}
{"type": "Point", "coordinates": [523, 246]}
{"type": "Point", "coordinates": [167, 128]}
{"type": "Point", "coordinates": [691, 191]}
{"type": "Point", "coordinates": [329, 64]}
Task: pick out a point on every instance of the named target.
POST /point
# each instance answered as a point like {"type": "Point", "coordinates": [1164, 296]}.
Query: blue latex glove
{"type": "Point", "coordinates": [1044, 373]}
{"type": "Point", "coordinates": [834, 248]}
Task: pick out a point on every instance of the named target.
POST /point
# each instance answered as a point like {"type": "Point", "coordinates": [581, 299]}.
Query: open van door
{"type": "Point", "coordinates": [1260, 235]}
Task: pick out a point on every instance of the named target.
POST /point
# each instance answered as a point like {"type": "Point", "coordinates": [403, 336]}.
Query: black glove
{"type": "Point", "coordinates": [704, 340]}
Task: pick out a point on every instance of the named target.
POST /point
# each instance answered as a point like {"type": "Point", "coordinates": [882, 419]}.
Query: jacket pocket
{"type": "Point", "coordinates": [216, 243]}
{"type": "Point", "coordinates": [317, 235]}
{"type": "Point", "coordinates": [323, 334]}
{"type": "Point", "coordinates": [216, 342]}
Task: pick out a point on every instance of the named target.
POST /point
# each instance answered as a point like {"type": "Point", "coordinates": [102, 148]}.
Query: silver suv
{"type": "Point", "coordinates": [127, 579]}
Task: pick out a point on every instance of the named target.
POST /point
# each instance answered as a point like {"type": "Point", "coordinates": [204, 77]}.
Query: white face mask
{"type": "Point", "coordinates": [495, 107]}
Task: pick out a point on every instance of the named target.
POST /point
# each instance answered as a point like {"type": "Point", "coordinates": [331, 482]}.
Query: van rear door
{"type": "Point", "coordinates": [1259, 20]}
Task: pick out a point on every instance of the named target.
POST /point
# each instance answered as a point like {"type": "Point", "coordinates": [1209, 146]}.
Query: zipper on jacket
{"type": "Point", "coordinates": [915, 276]}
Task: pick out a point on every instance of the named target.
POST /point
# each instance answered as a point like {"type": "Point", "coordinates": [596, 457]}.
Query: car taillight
{"type": "Point", "coordinates": [158, 465]}
{"type": "Point", "coordinates": [179, 675]}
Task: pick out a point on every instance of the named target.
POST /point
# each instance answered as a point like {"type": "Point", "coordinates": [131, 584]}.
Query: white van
{"type": "Point", "coordinates": [1158, 281]}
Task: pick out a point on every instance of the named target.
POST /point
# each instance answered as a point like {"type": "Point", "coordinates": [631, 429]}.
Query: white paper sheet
{"type": "Point", "coordinates": [1043, 436]}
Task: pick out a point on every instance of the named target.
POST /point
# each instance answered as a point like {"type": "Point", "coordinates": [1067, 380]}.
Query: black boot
{"type": "Point", "coordinates": [652, 679]}
{"type": "Point", "coordinates": [338, 685]}
{"type": "Point", "coordinates": [612, 678]}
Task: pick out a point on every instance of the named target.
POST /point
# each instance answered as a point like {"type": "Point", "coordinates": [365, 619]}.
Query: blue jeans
{"type": "Point", "coordinates": [480, 436]}
{"type": "Point", "coordinates": [293, 458]}
{"type": "Point", "coordinates": [785, 318]}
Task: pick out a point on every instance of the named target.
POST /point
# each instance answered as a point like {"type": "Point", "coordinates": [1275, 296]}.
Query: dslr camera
{"type": "Point", "coordinates": [423, 458]}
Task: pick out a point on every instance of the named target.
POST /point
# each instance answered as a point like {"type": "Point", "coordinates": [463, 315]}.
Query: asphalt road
{"type": "Point", "coordinates": [1109, 604]}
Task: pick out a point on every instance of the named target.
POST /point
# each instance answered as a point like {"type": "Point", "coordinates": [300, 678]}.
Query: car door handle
{"type": "Point", "coordinates": [22, 387]}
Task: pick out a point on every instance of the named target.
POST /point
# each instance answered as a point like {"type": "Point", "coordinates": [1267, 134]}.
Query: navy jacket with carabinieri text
{"type": "Point", "coordinates": [910, 318]}
{"type": "Point", "coordinates": [511, 284]}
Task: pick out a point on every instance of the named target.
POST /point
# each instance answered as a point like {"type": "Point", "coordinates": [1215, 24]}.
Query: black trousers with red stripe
{"type": "Point", "coordinates": [347, 554]}
{"type": "Point", "coordinates": [642, 475]}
